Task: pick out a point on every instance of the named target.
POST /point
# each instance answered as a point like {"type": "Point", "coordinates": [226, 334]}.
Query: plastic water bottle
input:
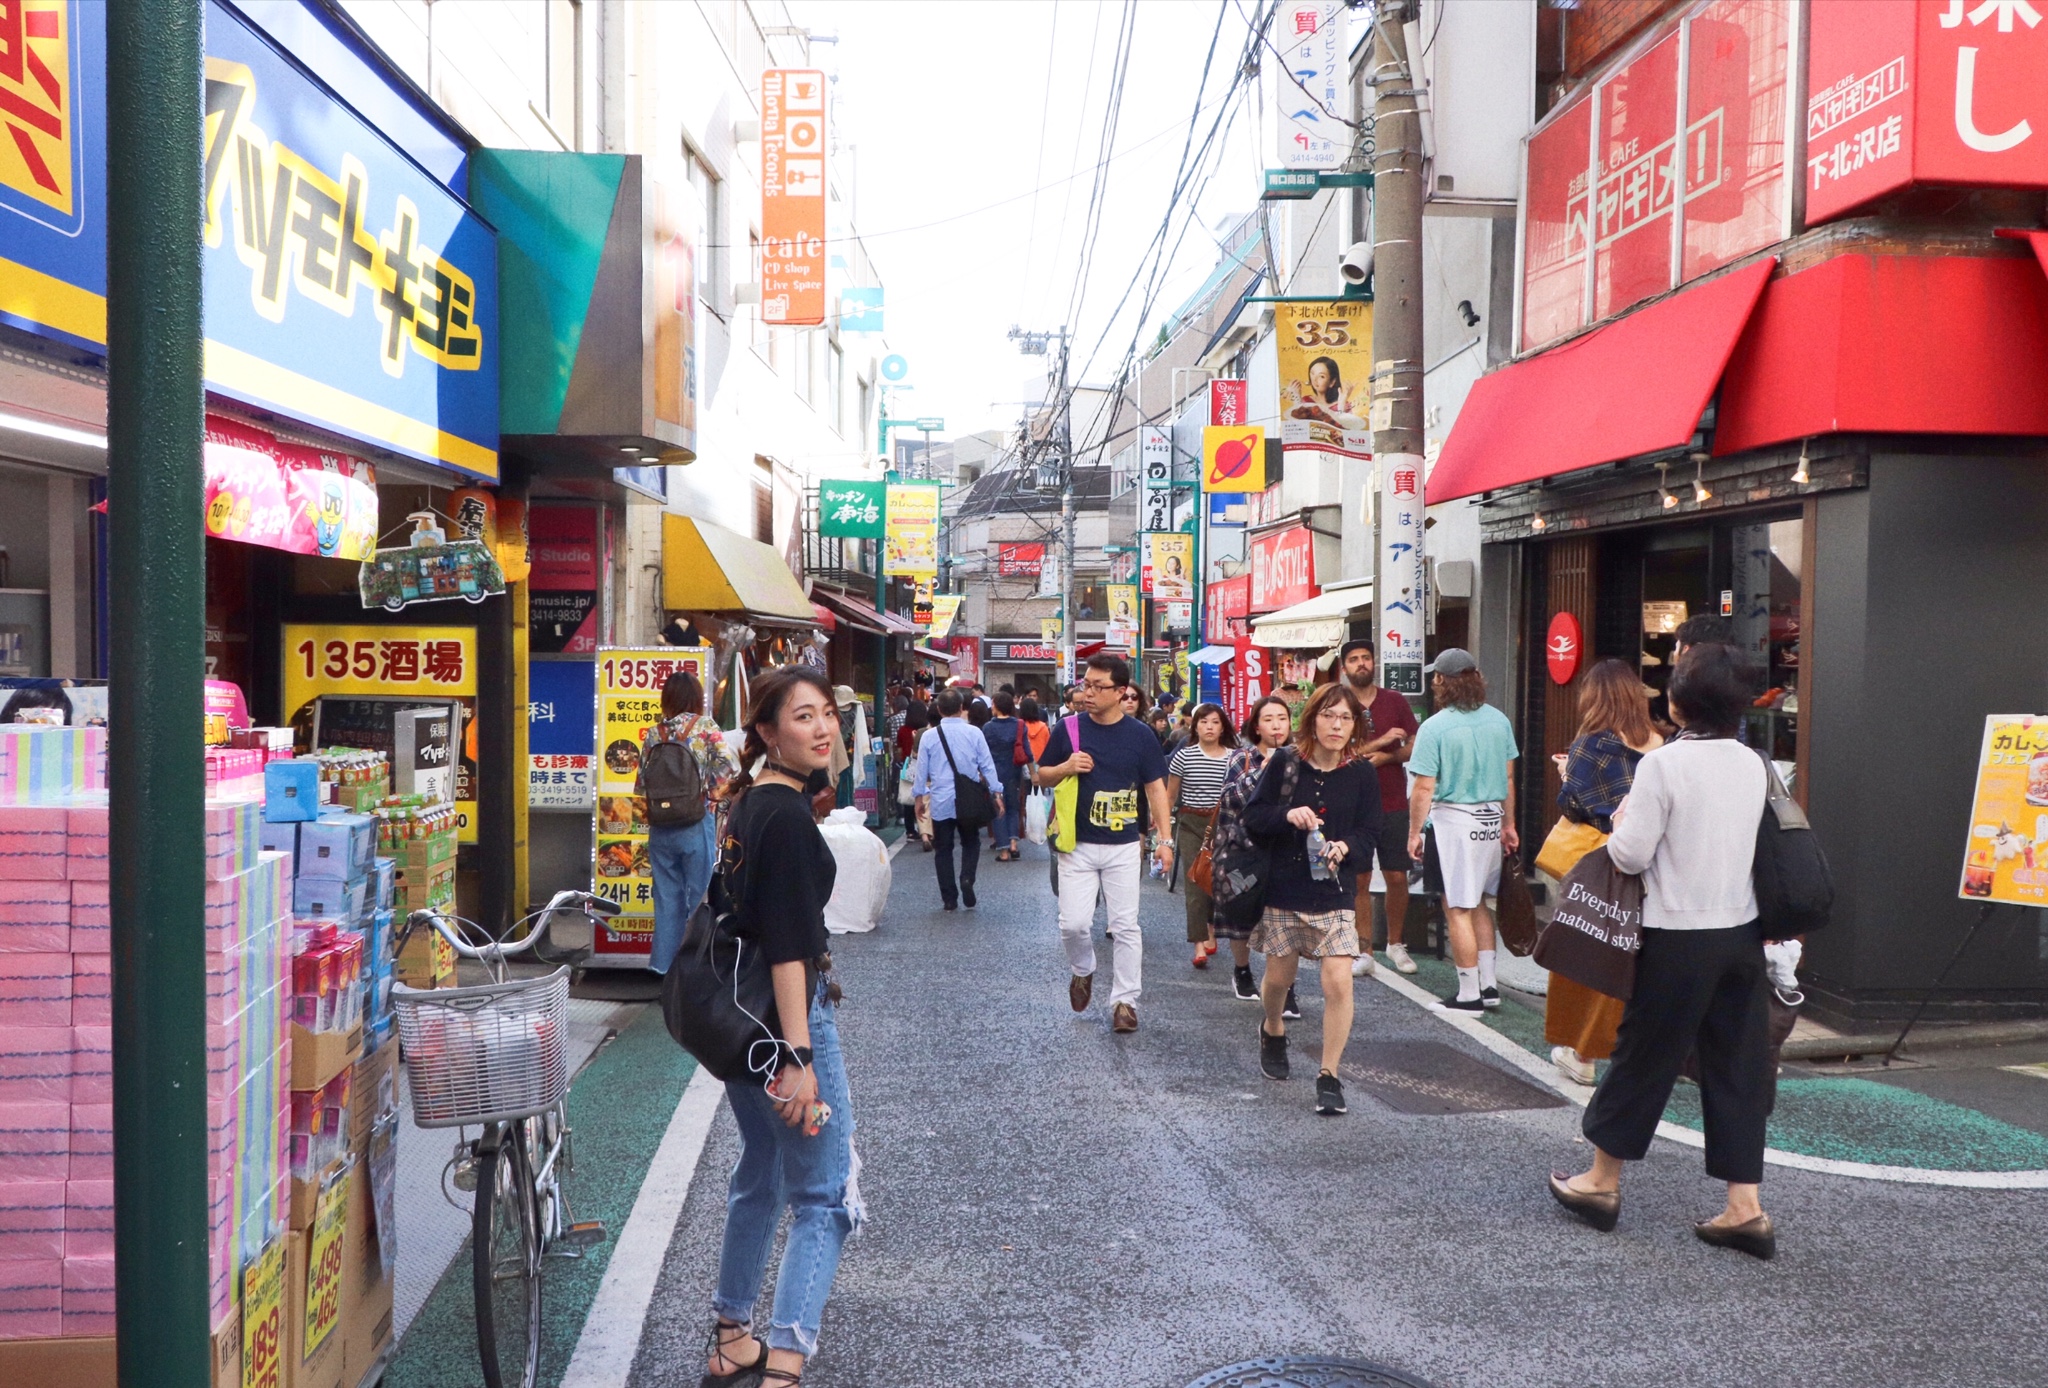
{"type": "Point", "coordinates": [1318, 864]}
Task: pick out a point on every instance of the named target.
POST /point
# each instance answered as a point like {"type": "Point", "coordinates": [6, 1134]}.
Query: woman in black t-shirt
{"type": "Point", "coordinates": [796, 1131]}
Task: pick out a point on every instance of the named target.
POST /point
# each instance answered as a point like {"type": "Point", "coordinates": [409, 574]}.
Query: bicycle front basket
{"type": "Point", "coordinates": [484, 1054]}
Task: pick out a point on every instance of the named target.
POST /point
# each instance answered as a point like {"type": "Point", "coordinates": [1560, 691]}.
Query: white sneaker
{"type": "Point", "coordinates": [1397, 955]}
{"type": "Point", "coordinates": [1362, 966]}
{"type": "Point", "coordinates": [1573, 1068]}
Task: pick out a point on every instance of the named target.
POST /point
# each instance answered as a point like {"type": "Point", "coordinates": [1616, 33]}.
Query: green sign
{"type": "Point", "coordinates": [931, 424]}
{"type": "Point", "coordinates": [852, 510]}
{"type": "Point", "coordinates": [1290, 183]}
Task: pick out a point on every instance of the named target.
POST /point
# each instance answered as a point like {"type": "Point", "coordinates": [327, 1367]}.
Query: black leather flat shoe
{"type": "Point", "coordinates": [1601, 1209]}
{"type": "Point", "coordinates": [1757, 1238]}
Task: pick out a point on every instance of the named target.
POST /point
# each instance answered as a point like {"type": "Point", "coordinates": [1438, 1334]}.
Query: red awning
{"type": "Point", "coordinates": [825, 618]}
{"type": "Point", "coordinates": [1901, 344]}
{"type": "Point", "coordinates": [1635, 386]}
{"type": "Point", "coordinates": [862, 615]}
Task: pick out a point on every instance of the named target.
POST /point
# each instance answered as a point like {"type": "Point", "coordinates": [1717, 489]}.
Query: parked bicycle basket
{"type": "Point", "coordinates": [484, 1054]}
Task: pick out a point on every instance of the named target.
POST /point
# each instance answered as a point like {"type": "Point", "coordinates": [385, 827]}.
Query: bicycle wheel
{"type": "Point", "coordinates": [506, 1242]}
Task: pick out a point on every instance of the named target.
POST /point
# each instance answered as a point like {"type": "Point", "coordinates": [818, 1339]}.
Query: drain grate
{"type": "Point", "coordinates": [1289, 1371]}
{"type": "Point", "coordinates": [1428, 1077]}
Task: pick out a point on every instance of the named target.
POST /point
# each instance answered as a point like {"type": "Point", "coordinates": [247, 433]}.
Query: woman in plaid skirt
{"type": "Point", "coordinates": [1318, 828]}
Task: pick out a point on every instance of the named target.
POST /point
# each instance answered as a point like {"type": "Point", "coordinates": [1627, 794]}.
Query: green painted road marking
{"type": "Point", "coordinates": [619, 1109]}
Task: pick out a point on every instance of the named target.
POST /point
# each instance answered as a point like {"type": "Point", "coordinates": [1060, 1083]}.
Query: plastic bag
{"type": "Point", "coordinates": [1037, 814]}
{"type": "Point", "coordinates": [860, 892]}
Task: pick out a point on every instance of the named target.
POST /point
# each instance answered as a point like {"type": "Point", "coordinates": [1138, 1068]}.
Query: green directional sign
{"type": "Point", "coordinates": [852, 510]}
{"type": "Point", "coordinates": [931, 424]}
{"type": "Point", "coordinates": [1290, 183]}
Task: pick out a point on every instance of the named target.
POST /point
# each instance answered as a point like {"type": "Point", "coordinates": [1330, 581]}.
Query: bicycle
{"type": "Point", "coordinates": [492, 1056]}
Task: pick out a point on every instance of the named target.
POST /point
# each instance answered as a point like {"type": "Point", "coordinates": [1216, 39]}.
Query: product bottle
{"type": "Point", "coordinates": [1318, 866]}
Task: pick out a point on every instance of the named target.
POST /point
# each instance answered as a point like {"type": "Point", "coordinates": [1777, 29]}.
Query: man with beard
{"type": "Point", "coordinates": [1392, 739]}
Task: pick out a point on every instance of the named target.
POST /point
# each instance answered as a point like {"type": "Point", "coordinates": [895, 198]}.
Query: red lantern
{"type": "Point", "coordinates": [1563, 647]}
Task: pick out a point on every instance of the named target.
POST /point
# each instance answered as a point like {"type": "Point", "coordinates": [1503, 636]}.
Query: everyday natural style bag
{"type": "Point", "coordinates": [1596, 928]}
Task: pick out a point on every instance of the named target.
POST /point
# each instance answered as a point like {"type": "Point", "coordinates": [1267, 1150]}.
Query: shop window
{"type": "Point", "coordinates": [709, 249]}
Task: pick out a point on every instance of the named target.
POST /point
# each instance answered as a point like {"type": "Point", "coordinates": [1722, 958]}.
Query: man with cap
{"type": "Point", "coordinates": [1391, 729]}
{"type": "Point", "coordinates": [1464, 768]}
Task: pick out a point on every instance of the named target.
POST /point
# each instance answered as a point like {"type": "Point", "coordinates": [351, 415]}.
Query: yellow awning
{"type": "Point", "coordinates": [707, 568]}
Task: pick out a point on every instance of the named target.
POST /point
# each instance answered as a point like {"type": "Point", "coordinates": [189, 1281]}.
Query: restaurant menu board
{"type": "Point", "coordinates": [2007, 856]}
{"type": "Point", "coordinates": [629, 681]}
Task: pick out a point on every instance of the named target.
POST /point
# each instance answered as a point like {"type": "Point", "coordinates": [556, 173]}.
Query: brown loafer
{"type": "Point", "coordinates": [1601, 1209]}
{"type": "Point", "coordinates": [1123, 1017]}
{"type": "Point", "coordinates": [1757, 1238]}
{"type": "Point", "coordinates": [1080, 988]}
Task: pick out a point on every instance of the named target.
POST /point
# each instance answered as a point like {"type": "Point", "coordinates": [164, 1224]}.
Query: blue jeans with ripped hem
{"type": "Point", "coordinates": [816, 1177]}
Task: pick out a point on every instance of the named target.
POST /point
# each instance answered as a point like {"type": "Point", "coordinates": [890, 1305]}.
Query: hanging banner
{"type": "Point", "coordinates": [1155, 478]}
{"type": "Point", "coordinates": [911, 548]}
{"type": "Point", "coordinates": [1401, 524]}
{"type": "Point", "coordinates": [629, 681]}
{"type": "Point", "coordinates": [261, 490]}
{"type": "Point", "coordinates": [1309, 36]}
{"type": "Point", "coordinates": [1049, 584]}
{"type": "Point", "coordinates": [2006, 859]}
{"type": "Point", "coordinates": [1123, 614]}
{"type": "Point", "coordinates": [1048, 632]}
{"type": "Point", "coordinates": [1229, 402]}
{"type": "Point", "coordinates": [852, 510]}
{"type": "Point", "coordinates": [1234, 458]}
{"type": "Point", "coordinates": [793, 196]}
{"type": "Point", "coordinates": [1324, 355]}
{"type": "Point", "coordinates": [1169, 567]}
{"type": "Point", "coordinates": [945, 607]}
{"type": "Point", "coordinates": [1014, 561]}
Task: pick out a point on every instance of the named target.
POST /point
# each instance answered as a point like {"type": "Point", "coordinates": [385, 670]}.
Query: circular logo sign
{"type": "Point", "coordinates": [1562, 647]}
{"type": "Point", "coordinates": [894, 367]}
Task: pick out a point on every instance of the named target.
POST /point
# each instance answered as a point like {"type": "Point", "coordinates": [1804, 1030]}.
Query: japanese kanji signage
{"type": "Point", "coordinates": [1155, 478]}
{"type": "Point", "coordinates": [263, 491]}
{"type": "Point", "coordinates": [1324, 354]}
{"type": "Point", "coordinates": [1017, 561]}
{"type": "Point", "coordinates": [1401, 573]}
{"type": "Point", "coordinates": [793, 196]}
{"type": "Point", "coordinates": [852, 510]}
{"type": "Point", "coordinates": [1229, 603]}
{"type": "Point", "coordinates": [629, 681]}
{"type": "Point", "coordinates": [1311, 96]}
{"type": "Point", "coordinates": [560, 741]}
{"type": "Point", "coordinates": [1230, 402]}
{"type": "Point", "coordinates": [911, 549]}
{"type": "Point", "coordinates": [2007, 855]}
{"type": "Point", "coordinates": [1940, 91]}
{"type": "Point", "coordinates": [1168, 572]}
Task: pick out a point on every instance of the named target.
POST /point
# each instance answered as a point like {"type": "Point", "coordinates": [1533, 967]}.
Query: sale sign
{"type": "Point", "coordinates": [324, 1262]}
{"type": "Point", "coordinates": [629, 681]}
{"type": "Point", "coordinates": [263, 1319]}
{"type": "Point", "coordinates": [793, 196]}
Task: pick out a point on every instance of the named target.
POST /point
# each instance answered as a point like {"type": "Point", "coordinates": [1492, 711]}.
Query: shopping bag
{"type": "Point", "coordinates": [1202, 871]}
{"type": "Point", "coordinates": [1596, 928]}
{"type": "Point", "coordinates": [1514, 910]}
{"type": "Point", "coordinates": [1066, 804]}
{"type": "Point", "coordinates": [1567, 842]}
{"type": "Point", "coordinates": [1037, 813]}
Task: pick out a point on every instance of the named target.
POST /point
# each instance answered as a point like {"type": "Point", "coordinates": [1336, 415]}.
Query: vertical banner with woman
{"type": "Point", "coordinates": [1325, 361]}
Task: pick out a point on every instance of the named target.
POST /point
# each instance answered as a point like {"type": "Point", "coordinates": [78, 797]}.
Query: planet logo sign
{"type": "Point", "coordinates": [1233, 458]}
{"type": "Point", "coordinates": [1562, 647]}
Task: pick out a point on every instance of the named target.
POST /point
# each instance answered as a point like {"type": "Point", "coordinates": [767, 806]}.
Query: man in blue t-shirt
{"type": "Point", "coordinates": [1118, 760]}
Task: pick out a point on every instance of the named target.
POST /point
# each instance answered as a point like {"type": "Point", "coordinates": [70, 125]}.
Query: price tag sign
{"type": "Point", "coordinates": [263, 1319]}
{"type": "Point", "coordinates": [323, 1264]}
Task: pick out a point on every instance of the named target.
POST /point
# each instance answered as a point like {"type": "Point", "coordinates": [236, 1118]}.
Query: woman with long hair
{"type": "Point", "coordinates": [1002, 733]}
{"type": "Point", "coordinates": [683, 855]}
{"type": "Point", "coordinates": [1266, 729]}
{"type": "Point", "coordinates": [1598, 770]}
{"type": "Point", "coordinates": [796, 1130]}
{"type": "Point", "coordinates": [1689, 827]}
{"type": "Point", "coordinates": [1194, 783]}
{"type": "Point", "coordinates": [1320, 829]}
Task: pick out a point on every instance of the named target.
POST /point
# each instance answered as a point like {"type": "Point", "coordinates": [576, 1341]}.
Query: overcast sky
{"type": "Point", "coordinates": [958, 111]}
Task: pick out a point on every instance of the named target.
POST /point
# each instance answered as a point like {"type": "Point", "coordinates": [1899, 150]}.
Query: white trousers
{"type": "Point", "coordinates": [1116, 870]}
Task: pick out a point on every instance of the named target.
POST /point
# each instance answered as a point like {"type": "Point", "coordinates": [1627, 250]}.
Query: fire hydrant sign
{"type": "Point", "coordinates": [2007, 857]}
{"type": "Point", "coordinates": [629, 681]}
{"type": "Point", "coordinates": [263, 1319]}
{"type": "Point", "coordinates": [324, 1263]}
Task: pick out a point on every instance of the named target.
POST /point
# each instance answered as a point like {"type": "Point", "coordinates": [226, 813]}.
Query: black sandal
{"type": "Point", "coordinates": [769, 1376]}
{"type": "Point", "coordinates": [717, 1346]}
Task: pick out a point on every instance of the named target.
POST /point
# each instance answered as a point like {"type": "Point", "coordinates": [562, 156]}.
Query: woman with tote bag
{"type": "Point", "coordinates": [1579, 1023]}
{"type": "Point", "coordinates": [1689, 827]}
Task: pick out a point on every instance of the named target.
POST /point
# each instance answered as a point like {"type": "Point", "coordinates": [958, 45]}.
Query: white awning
{"type": "Point", "coordinates": [1321, 622]}
{"type": "Point", "coordinates": [1212, 655]}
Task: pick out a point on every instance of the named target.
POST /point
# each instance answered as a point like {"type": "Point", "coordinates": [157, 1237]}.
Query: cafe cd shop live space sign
{"type": "Point", "coordinates": [344, 287]}
{"type": "Point", "coordinates": [629, 681]}
{"type": "Point", "coordinates": [793, 196]}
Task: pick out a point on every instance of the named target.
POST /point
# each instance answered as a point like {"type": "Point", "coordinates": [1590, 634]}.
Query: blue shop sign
{"type": "Point", "coordinates": [561, 707]}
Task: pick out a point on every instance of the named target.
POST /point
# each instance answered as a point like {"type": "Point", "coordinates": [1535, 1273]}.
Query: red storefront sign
{"type": "Point", "coordinates": [1617, 186]}
{"type": "Point", "coordinates": [1228, 402]}
{"type": "Point", "coordinates": [1283, 569]}
{"type": "Point", "coordinates": [1015, 560]}
{"type": "Point", "coordinates": [1563, 647]}
{"type": "Point", "coordinates": [1246, 679]}
{"type": "Point", "coordinates": [563, 585]}
{"type": "Point", "coordinates": [1228, 606]}
{"type": "Point", "coordinates": [1942, 91]}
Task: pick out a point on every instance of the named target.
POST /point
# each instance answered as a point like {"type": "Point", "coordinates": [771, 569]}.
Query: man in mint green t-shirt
{"type": "Point", "coordinates": [1464, 769]}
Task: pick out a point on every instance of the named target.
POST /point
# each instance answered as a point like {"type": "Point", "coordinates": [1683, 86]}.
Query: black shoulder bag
{"type": "Point", "coordinates": [1795, 893]}
{"type": "Point", "coordinates": [1241, 865]}
{"type": "Point", "coordinates": [973, 806]}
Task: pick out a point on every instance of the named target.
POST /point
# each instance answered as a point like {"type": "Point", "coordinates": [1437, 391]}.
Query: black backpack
{"type": "Point", "coordinates": [1795, 893]}
{"type": "Point", "coordinates": [672, 783]}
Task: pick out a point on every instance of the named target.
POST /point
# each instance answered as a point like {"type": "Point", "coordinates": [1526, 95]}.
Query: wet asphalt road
{"type": "Point", "coordinates": [1049, 1204]}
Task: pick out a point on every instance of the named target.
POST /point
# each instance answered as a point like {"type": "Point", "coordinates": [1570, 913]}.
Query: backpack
{"type": "Point", "coordinates": [672, 783]}
{"type": "Point", "coordinates": [1795, 893]}
{"type": "Point", "coordinates": [1240, 862]}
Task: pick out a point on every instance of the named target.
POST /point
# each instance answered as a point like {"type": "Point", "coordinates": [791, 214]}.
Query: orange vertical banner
{"type": "Point", "coordinates": [793, 196]}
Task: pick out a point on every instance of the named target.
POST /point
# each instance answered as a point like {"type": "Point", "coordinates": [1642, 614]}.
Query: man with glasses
{"type": "Point", "coordinates": [1118, 760]}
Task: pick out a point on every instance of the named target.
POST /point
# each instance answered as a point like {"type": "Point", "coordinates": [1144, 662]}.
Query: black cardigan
{"type": "Point", "coordinates": [1348, 799]}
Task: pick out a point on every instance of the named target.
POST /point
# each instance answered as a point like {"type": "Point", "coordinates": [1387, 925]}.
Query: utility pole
{"type": "Point", "coordinates": [1397, 348]}
{"type": "Point", "coordinates": [1036, 344]}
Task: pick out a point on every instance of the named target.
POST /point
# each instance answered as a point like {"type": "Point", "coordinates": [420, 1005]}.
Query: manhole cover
{"type": "Point", "coordinates": [1287, 1371]}
{"type": "Point", "coordinates": [1432, 1078]}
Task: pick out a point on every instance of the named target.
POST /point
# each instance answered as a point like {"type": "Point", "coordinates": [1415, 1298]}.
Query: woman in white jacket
{"type": "Point", "coordinates": [1689, 827]}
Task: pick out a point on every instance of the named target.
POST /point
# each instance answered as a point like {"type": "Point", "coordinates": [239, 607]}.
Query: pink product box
{"type": "Point", "coordinates": [35, 1065]}
{"type": "Point", "coordinates": [35, 1142]}
{"type": "Point", "coordinates": [35, 990]}
{"type": "Point", "coordinates": [89, 1219]}
{"type": "Point", "coordinates": [32, 842]}
{"type": "Point", "coordinates": [31, 1220]}
{"type": "Point", "coordinates": [92, 990]}
{"type": "Point", "coordinates": [92, 1142]}
{"type": "Point", "coordinates": [85, 851]}
{"type": "Point", "coordinates": [31, 1298]}
{"type": "Point", "coordinates": [89, 1296]}
{"type": "Point", "coordinates": [92, 917]}
{"type": "Point", "coordinates": [29, 918]}
{"type": "Point", "coordinates": [92, 1065]}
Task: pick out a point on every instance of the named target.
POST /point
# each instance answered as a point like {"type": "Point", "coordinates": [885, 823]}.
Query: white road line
{"type": "Point", "coordinates": [611, 1332]}
{"type": "Point", "coordinates": [1546, 1074]}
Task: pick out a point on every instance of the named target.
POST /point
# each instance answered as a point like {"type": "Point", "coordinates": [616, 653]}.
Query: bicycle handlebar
{"type": "Point", "coordinates": [587, 903]}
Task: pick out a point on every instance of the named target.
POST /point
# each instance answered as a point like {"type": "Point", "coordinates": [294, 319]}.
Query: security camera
{"type": "Point", "coordinates": [1356, 267]}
